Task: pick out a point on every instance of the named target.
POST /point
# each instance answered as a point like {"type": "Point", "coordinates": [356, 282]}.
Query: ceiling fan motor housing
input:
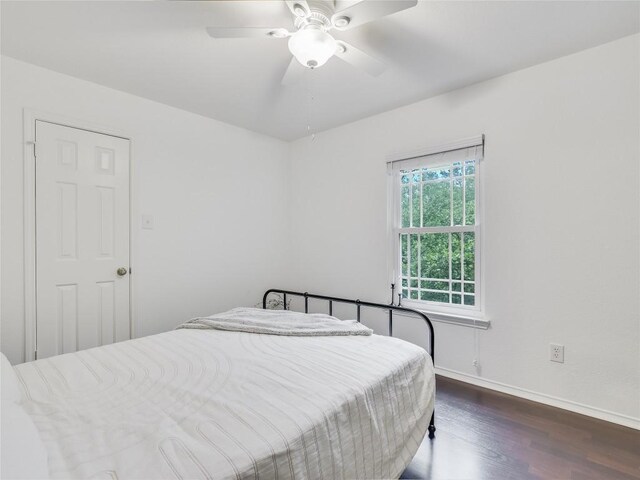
{"type": "Point", "coordinates": [315, 18]}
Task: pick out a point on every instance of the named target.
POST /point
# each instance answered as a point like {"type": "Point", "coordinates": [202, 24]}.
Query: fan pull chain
{"type": "Point", "coordinates": [309, 102]}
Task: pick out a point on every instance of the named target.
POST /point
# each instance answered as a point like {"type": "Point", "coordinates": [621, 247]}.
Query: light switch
{"type": "Point", "coordinates": [147, 222]}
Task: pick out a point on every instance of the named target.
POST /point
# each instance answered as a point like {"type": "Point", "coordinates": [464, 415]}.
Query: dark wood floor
{"type": "Point", "coordinates": [482, 434]}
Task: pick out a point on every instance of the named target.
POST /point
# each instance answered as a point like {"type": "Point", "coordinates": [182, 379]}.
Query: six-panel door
{"type": "Point", "coordinates": [82, 239]}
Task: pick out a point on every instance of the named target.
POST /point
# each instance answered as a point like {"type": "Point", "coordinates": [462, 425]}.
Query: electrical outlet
{"type": "Point", "coordinates": [556, 353]}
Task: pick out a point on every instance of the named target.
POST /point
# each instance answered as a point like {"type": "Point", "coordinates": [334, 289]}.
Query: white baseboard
{"type": "Point", "coordinates": [576, 407]}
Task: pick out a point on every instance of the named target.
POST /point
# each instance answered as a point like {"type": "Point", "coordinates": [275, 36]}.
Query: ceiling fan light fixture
{"type": "Point", "coordinates": [312, 47]}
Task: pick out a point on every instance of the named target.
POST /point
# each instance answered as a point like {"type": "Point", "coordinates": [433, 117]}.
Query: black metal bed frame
{"type": "Point", "coordinates": [359, 304]}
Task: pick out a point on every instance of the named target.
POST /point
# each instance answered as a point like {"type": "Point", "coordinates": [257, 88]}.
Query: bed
{"type": "Point", "coordinates": [195, 403]}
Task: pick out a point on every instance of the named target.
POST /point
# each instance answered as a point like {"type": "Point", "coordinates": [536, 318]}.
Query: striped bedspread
{"type": "Point", "coordinates": [193, 404]}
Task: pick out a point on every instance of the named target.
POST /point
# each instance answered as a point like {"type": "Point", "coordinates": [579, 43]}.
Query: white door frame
{"type": "Point", "coordinates": [29, 122]}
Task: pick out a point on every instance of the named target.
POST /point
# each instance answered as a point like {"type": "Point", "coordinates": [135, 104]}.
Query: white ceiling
{"type": "Point", "coordinates": [160, 50]}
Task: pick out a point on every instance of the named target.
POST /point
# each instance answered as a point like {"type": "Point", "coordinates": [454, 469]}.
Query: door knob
{"type": "Point", "coordinates": [122, 271]}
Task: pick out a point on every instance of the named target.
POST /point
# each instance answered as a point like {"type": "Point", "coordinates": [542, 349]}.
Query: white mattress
{"type": "Point", "coordinates": [213, 404]}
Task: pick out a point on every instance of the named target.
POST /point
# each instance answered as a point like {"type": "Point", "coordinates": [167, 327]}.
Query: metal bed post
{"type": "Point", "coordinates": [391, 308]}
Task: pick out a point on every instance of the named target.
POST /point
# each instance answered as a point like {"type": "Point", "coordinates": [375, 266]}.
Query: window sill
{"type": "Point", "coordinates": [452, 318]}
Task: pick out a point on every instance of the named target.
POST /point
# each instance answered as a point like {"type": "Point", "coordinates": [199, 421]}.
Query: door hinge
{"type": "Point", "coordinates": [35, 355]}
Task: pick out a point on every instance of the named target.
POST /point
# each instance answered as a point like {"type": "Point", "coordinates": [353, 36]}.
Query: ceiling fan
{"type": "Point", "coordinates": [310, 42]}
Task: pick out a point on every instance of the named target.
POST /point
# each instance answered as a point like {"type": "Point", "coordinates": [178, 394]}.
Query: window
{"type": "Point", "coordinates": [435, 228]}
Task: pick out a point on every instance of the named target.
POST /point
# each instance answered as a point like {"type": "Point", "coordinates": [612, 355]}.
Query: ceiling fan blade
{"type": "Point", "coordinates": [293, 74]}
{"type": "Point", "coordinates": [359, 59]}
{"type": "Point", "coordinates": [300, 8]}
{"type": "Point", "coordinates": [247, 32]}
{"type": "Point", "coordinates": [364, 11]}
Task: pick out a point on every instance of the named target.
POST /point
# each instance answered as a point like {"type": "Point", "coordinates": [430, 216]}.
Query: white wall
{"type": "Point", "coordinates": [218, 195]}
{"type": "Point", "coordinates": [561, 222]}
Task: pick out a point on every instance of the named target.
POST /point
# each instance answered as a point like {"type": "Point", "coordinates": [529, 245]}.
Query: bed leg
{"type": "Point", "coordinates": [432, 427]}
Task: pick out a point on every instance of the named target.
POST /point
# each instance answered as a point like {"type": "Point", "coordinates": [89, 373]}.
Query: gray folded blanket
{"type": "Point", "coordinates": [278, 322]}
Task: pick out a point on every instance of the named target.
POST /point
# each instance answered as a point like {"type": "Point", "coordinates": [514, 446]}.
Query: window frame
{"type": "Point", "coordinates": [468, 315]}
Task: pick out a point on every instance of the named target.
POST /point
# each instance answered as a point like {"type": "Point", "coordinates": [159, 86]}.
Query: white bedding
{"type": "Point", "coordinates": [278, 322]}
{"type": "Point", "coordinates": [217, 404]}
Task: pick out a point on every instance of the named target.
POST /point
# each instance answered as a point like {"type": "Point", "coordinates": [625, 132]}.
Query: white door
{"type": "Point", "coordinates": [82, 239]}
